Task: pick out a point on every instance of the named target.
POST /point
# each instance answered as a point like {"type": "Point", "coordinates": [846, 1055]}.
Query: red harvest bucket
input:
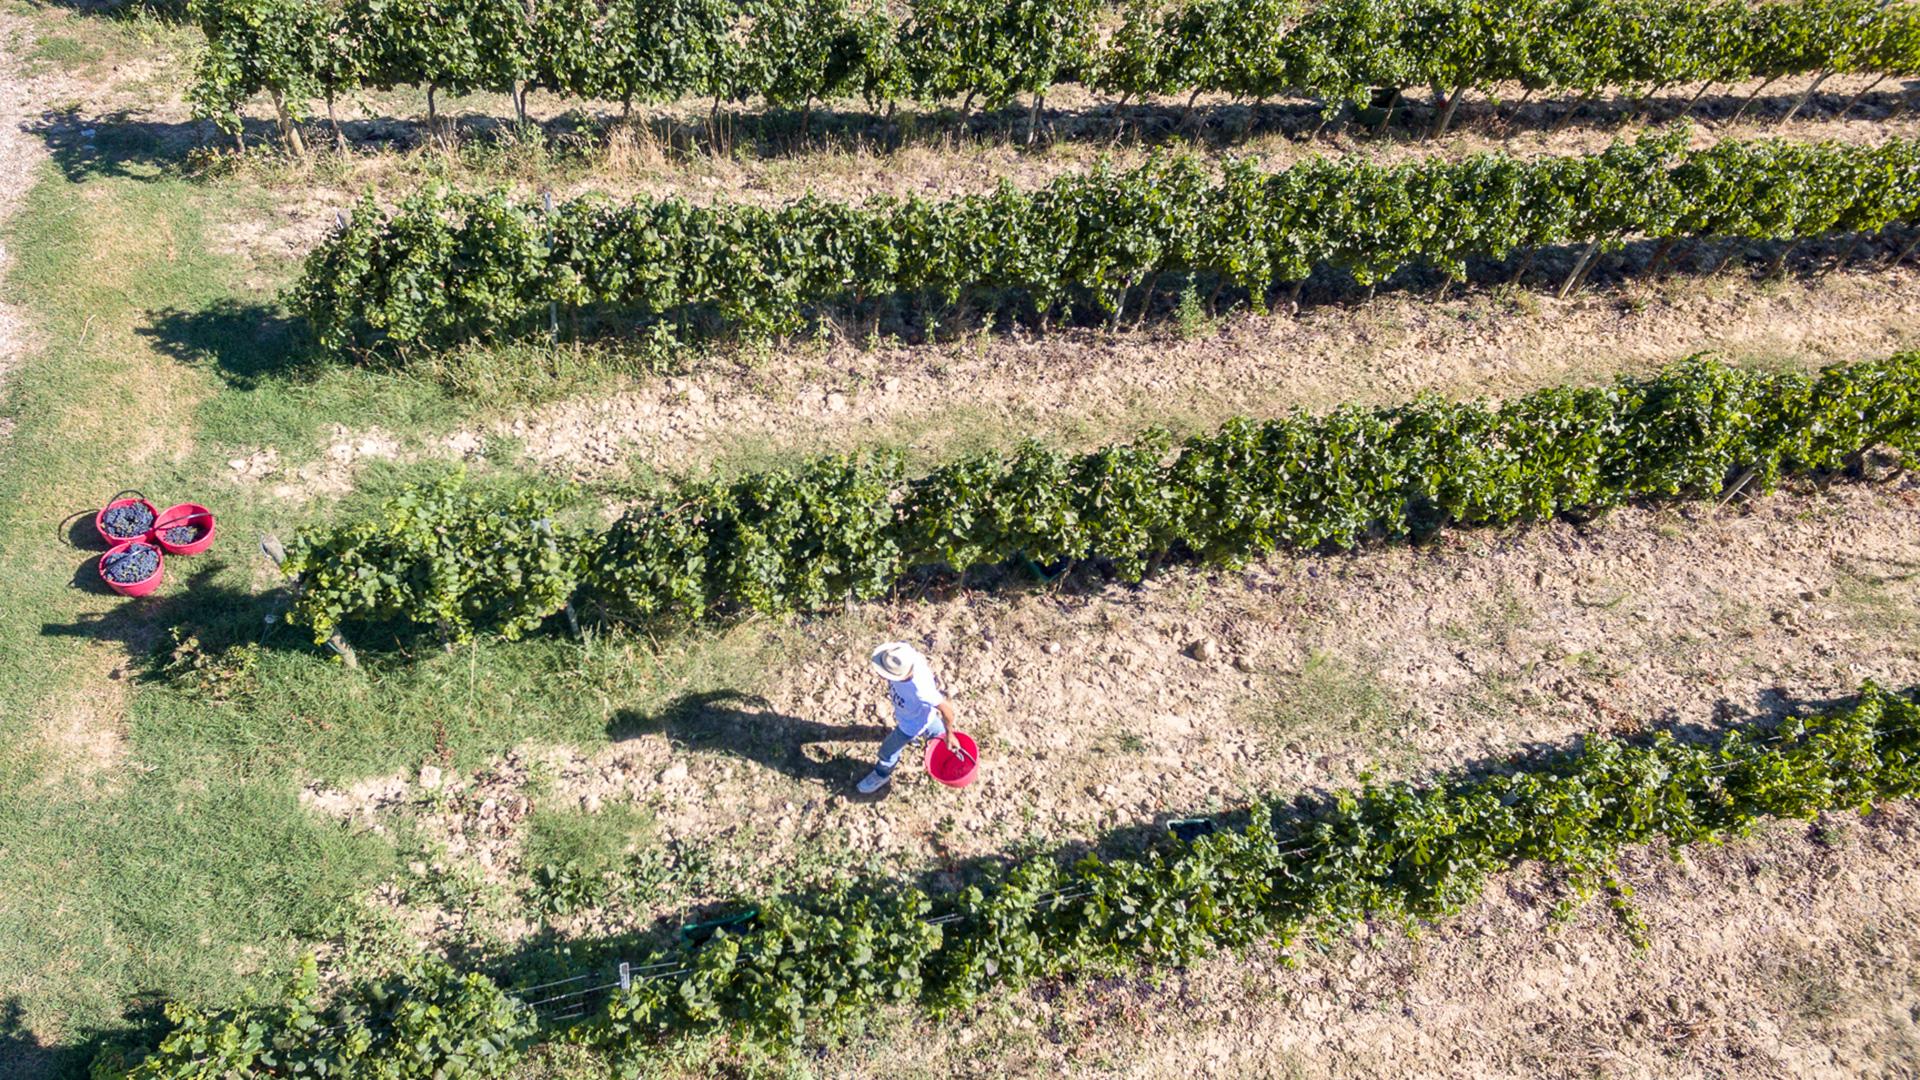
{"type": "Point", "coordinates": [184, 514]}
{"type": "Point", "coordinates": [112, 540]}
{"type": "Point", "coordinates": [953, 770]}
{"type": "Point", "coordinates": [138, 588]}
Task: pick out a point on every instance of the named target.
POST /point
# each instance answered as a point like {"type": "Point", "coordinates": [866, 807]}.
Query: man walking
{"type": "Point", "coordinates": [919, 708]}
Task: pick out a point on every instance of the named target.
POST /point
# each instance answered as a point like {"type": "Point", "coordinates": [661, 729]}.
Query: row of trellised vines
{"type": "Point", "coordinates": [445, 267]}
{"type": "Point", "coordinates": [463, 560]}
{"type": "Point", "coordinates": [804, 969]}
{"type": "Point", "coordinates": [991, 51]}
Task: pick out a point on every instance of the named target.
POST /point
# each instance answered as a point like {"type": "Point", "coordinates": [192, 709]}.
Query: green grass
{"type": "Point", "coordinates": [1878, 595]}
{"type": "Point", "coordinates": [62, 42]}
{"type": "Point", "coordinates": [1334, 700]}
{"type": "Point", "coordinates": [1331, 696]}
{"type": "Point", "coordinates": [152, 842]}
{"type": "Point", "coordinates": [593, 841]}
{"type": "Point", "coordinates": [306, 715]}
{"type": "Point", "coordinates": [163, 887]}
{"type": "Point", "coordinates": [61, 53]}
{"type": "Point", "coordinates": [124, 874]}
{"type": "Point", "coordinates": [534, 372]}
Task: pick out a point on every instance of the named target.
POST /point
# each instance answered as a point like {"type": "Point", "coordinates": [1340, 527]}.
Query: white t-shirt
{"type": "Point", "coordinates": [916, 701]}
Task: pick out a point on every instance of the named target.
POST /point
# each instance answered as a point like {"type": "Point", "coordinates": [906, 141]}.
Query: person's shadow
{"type": "Point", "coordinates": [728, 721]}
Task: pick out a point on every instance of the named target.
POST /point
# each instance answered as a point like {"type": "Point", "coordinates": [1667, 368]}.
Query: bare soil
{"type": "Point", "coordinates": [1088, 386]}
{"type": "Point", "coordinates": [83, 729]}
{"type": "Point", "coordinates": [332, 472]}
{"type": "Point", "coordinates": [753, 408]}
{"type": "Point", "coordinates": [758, 156]}
{"type": "Point", "coordinates": [1102, 708]}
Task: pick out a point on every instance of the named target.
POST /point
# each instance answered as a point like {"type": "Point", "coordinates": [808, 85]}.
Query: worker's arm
{"type": "Point", "coordinates": [947, 718]}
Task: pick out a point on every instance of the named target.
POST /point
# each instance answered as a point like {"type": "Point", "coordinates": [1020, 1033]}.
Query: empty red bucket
{"type": "Point", "coordinates": [100, 527]}
{"type": "Point", "coordinates": [953, 770]}
{"type": "Point", "coordinates": [135, 588]}
{"type": "Point", "coordinates": [184, 514]}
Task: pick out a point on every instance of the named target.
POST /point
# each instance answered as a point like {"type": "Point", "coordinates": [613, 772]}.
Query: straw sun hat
{"type": "Point", "coordinates": [896, 660]}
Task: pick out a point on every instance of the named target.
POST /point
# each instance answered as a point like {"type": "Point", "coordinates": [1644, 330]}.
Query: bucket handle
{"type": "Point", "coordinates": [66, 523]}
{"type": "Point", "coordinates": [114, 558]}
{"type": "Point", "coordinates": [203, 516]}
{"type": "Point", "coordinates": [64, 531]}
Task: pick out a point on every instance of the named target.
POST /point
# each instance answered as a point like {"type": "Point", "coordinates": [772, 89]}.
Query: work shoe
{"type": "Point", "coordinates": [874, 781]}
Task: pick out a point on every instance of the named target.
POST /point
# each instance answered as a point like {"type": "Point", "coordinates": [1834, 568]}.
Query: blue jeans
{"type": "Point", "coordinates": [897, 741]}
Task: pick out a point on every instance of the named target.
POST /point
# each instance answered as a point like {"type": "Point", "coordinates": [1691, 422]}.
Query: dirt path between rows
{"type": "Point", "coordinates": [936, 160]}
{"type": "Point", "coordinates": [20, 155]}
{"type": "Point", "coordinates": [1087, 386]}
{"type": "Point", "coordinates": [1117, 707]}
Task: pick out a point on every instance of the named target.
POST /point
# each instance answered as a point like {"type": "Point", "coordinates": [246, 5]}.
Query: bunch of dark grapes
{"type": "Point", "coordinates": [136, 563]}
{"type": "Point", "coordinates": [182, 535]}
{"type": "Point", "coordinates": [129, 519]}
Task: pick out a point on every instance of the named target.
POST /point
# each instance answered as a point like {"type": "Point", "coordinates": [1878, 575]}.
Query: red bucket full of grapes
{"type": "Point", "coordinates": [133, 568]}
{"type": "Point", "coordinates": [126, 520]}
{"type": "Point", "coordinates": [186, 529]}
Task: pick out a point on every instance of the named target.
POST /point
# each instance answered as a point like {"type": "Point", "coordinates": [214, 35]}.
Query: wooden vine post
{"type": "Point", "coordinates": [276, 553]}
{"type": "Point", "coordinates": [553, 303]}
{"type": "Point", "coordinates": [1579, 269]}
{"type": "Point", "coordinates": [289, 130]}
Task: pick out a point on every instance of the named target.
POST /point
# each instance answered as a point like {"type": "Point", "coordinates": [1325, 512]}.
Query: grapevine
{"type": "Point", "coordinates": [838, 528]}
{"type": "Point", "coordinates": [1409, 852]}
{"type": "Point", "coordinates": [444, 555]}
{"type": "Point", "coordinates": [445, 268]}
{"type": "Point", "coordinates": [1337, 52]}
{"type": "Point", "coordinates": [425, 1022]}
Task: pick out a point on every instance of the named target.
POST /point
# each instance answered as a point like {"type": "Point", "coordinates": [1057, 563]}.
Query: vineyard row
{"type": "Point", "coordinates": [447, 267]}
{"type": "Point", "coordinates": [1401, 851]}
{"type": "Point", "coordinates": [461, 559]}
{"type": "Point", "coordinates": [791, 53]}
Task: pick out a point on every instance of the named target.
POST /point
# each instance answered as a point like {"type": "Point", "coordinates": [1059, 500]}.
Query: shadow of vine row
{"type": "Point", "coordinates": [121, 143]}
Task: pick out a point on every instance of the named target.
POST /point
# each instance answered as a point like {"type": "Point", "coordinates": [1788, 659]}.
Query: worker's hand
{"type": "Point", "coordinates": [953, 744]}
